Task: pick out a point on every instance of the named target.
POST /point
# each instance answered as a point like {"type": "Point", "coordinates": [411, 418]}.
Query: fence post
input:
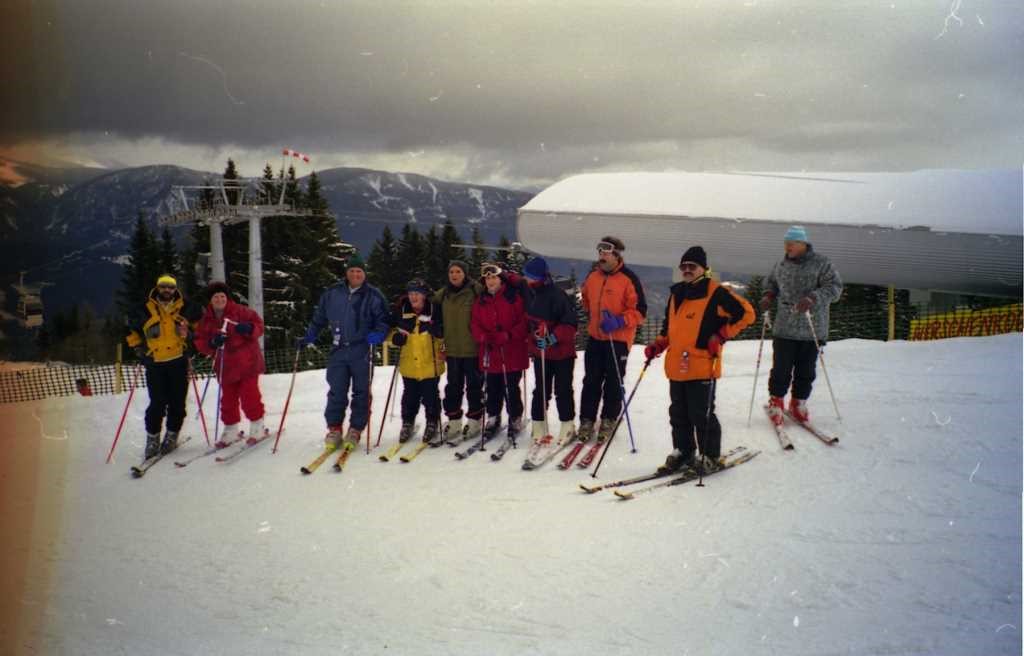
{"type": "Point", "coordinates": [118, 373]}
{"type": "Point", "coordinates": [892, 313]}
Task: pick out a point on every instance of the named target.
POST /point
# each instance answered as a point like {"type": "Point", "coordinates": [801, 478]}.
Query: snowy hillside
{"type": "Point", "coordinates": [903, 539]}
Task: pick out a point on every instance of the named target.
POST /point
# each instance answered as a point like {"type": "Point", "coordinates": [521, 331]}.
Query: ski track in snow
{"type": "Point", "coordinates": [904, 538]}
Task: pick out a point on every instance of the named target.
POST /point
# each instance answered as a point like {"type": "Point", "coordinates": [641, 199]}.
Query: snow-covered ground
{"type": "Point", "coordinates": [903, 539]}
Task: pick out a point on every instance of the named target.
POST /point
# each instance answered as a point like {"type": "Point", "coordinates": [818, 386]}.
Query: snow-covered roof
{"type": "Point", "coordinates": [980, 202]}
{"type": "Point", "coordinates": [951, 230]}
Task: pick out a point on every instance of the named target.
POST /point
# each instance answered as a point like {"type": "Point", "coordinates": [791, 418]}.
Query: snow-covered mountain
{"type": "Point", "coordinates": [74, 233]}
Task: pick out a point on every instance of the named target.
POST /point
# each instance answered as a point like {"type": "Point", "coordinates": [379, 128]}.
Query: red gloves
{"type": "Point", "coordinates": [497, 339]}
{"type": "Point", "coordinates": [716, 341]}
{"type": "Point", "coordinates": [804, 304]}
{"type": "Point", "coordinates": [656, 348]}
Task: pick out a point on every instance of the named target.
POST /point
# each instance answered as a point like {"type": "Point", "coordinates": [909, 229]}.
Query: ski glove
{"type": "Point", "coordinates": [804, 304]}
{"type": "Point", "coordinates": [244, 328]}
{"type": "Point", "coordinates": [766, 301]}
{"type": "Point", "coordinates": [655, 348]}
{"type": "Point", "coordinates": [307, 339]}
{"type": "Point", "coordinates": [611, 322]}
{"type": "Point", "coordinates": [218, 340]}
{"type": "Point", "coordinates": [375, 338]}
{"type": "Point", "coordinates": [546, 341]}
{"type": "Point", "coordinates": [716, 341]}
{"type": "Point", "coordinates": [400, 338]}
{"type": "Point", "coordinates": [140, 353]}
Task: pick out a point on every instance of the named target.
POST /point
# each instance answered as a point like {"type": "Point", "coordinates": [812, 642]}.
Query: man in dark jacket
{"type": "Point", "coordinates": [551, 317]}
{"type": "Point", "coordinates": [803, 282]}
{"type": "Point", "coordinates": [357, 315]}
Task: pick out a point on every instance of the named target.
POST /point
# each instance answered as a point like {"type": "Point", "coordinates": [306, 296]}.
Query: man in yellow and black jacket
{"type": "Point", "coordinates": [701, 316]}
{"type": "Point", "coordinates": [160, 334]}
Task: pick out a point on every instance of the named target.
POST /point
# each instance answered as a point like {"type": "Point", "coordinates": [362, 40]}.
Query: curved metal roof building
{"type": "Point", "coordinates": [942, 230]}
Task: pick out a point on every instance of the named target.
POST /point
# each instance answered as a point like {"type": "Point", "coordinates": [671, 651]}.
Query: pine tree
{"type": "Point", "coordinates": [235, 238]}
{"type": "Point", "coordinates": [168, 254]}
{"type": "Point", "coordinates": [140, 274]}
{"type": "Point", "coordinates": [410, 254]}
{"type": "Point", "coordinates": [477, 255]}
{"type": "Point", "coordinates": [449, 251]}
{"type": "Point", "coordinates": [286, 292]}
{"type": "Point", "coordinates": [434, 262]}
{"type": "Point", "coordinates": [330, 251]}
{"type": "Point", "coordinates": [382, 269]}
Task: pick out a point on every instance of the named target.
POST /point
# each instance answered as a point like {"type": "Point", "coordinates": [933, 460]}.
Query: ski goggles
{"type": "Point", "coordinates": [489, 270]}
{"type": "Point", "coordinates": [605, 247]}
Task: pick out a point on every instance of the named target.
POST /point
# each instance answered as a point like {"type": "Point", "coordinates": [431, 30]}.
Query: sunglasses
{"type": "Point", "coordinates": [689, 266]}
{"type": "Point", "coordinates": [605, 247]}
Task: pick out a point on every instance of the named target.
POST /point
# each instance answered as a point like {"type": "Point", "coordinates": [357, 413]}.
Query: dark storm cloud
{"type": "Point", "coordinates": [526, 80]}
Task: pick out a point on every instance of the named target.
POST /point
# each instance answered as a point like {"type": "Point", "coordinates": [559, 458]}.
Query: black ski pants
{"type": "Point", "coordinates": [415, 392]}
{"type": "Point", "coordinates": [792, 359]}
{"type": "Point", "coordinates": [464, 374]}
{"type": "Point", "coordinates": [500, 392]}
{"type": "Point", "coordinates": [168, 387]}
{"type": "Point", "coordinates": [689, 414]}
{"type": "Point", "coordinates": [557, 376]}
{"type": "Point", "coordinates": [600, 381]}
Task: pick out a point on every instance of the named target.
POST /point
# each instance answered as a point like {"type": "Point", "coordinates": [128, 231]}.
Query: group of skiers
{"type": "Point", "coordinates": [483, 331]}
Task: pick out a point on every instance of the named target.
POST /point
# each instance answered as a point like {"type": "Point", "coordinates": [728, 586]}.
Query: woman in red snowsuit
{"type": "Point", "coordinates": [498, 325]}
{"type": "Point", "coordinates": [230, 333]}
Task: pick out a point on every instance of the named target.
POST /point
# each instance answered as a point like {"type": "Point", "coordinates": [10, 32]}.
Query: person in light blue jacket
{"type": "Point", "coordinates": [356, 314]}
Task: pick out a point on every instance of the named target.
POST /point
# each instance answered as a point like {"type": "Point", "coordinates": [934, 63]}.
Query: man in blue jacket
{"type": "Point", "coordinates": [357, 316]}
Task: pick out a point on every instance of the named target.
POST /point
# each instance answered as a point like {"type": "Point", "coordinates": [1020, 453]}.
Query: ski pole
{"type": "Point", "coordinates": [821, 358]}
{"type": "Point", "coordinates": [707, 423]}
{"type": "Point", "coordinates": [220, 379]}
{"type": "Point", "coordinates": [622, 392]}
{"type": "Point", "coordinates": [287, 400]}
{"type": "Point", "coordinates": [543, 389]}
{"type": "Point", "coordinates": [508, 397]}
{"type": "Point", "coordinates": [369, 401]}
{"type": "Point", "coordinates": [621, 414]}
{"type": "Point", "coordinates": [391, 389]}
{"type": "Point", "coordinates": [767, 320]}
{"type": "Point", "coordinates": [487, 365]}
{"type": "Point", "coordinates": [199, 402]}
{"type": "Point", "coordinates": [120, 425]}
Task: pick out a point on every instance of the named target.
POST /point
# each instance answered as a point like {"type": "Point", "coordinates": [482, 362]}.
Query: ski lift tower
{"type": "Point", "coordinates": [235, 201]}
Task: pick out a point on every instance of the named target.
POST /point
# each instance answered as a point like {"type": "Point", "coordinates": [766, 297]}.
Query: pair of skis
{"type": "Point", "coordinates": [409, 456]}
{"type": "Point", "coordinates": [339, 464]}
{"type": "Point", "coordinates": [138, 471]}
{"type": "Point", "coordinates": [783, 435]}
{"type": "Point", "coordinates": [546, 449]}
{"type": "Point", "coordinates": [732, 458]}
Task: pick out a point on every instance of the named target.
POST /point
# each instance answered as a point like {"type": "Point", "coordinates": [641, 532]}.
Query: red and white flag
{"type": "Point", "coordinates": [296, 154]}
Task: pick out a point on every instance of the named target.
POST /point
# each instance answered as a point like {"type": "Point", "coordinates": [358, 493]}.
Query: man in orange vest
{"type": "Point", "coordinates": [700, 317]}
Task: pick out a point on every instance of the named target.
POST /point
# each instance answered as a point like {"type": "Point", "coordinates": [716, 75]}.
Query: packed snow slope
{"type": "Point", "coordinates": [903, 539]}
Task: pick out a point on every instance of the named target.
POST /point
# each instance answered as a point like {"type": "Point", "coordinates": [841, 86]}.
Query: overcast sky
{"type": "Point", "coordinates": [515, 93]}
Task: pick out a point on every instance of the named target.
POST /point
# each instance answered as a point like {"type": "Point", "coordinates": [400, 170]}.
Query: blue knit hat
{"type": "Point", "coordinates": [418, 285]}
{"type": "Point", "coordinates": [536, 269]}
{"type": "Point", "coordinates": [796, 233]}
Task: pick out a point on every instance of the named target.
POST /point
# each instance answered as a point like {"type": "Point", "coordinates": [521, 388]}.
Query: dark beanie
{"type": "Point", "coordinates": [696, 255]}
{"type": "Point", "coordinates": [217, 287]}
{"type": "Point", "coordinates": [355, 262]}
{"type": "Point", "coordinates": [462, 265]}
{"type": "Point", "coordinates": [536, 269]}
{"type": "Point", "coordinates": [417, 285]}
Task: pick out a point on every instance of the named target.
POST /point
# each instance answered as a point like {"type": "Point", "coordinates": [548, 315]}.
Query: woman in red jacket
{"type": "Point", "coordinates": [498, 325]}
{"type": "Point", "coordinates": [230, 333]}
